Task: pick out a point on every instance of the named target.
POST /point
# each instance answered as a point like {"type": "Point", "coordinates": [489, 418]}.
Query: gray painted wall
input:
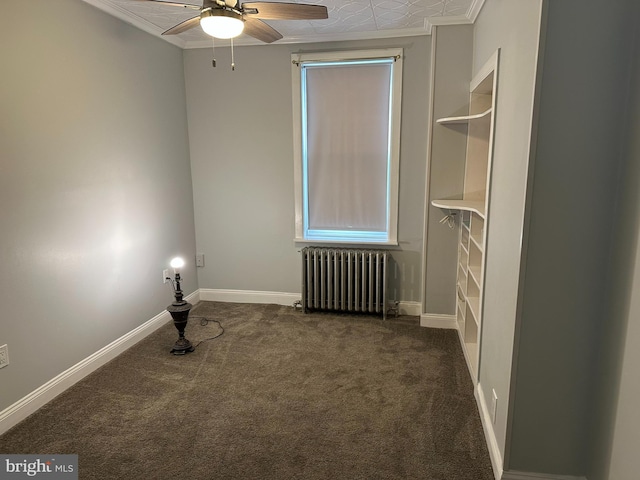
{"type": "Point", "coordinates": [616, 424]}
{"type": "Point", "coordinates": [582, 101]}
{"type": "Point", "coordinates": [95, 185]}
{"type": "Point", "coordinates": [241, 142]}
{"type": "Point", "coordinates": [624, 460]}
{"type": "Point", "coordinates": [451, 76]}
{"type": "Point", "coordinates": [512, 26]}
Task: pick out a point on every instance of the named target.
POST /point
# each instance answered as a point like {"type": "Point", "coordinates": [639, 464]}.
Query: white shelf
{"type": "Point", "coordinates": [463, 269]}
{"type": "Point", "coordinates": [476, 206]}
{"type": "Point", "coordinates": [477, 242]}
{"type": "Point", "coordinates": [463, 119]}
{"type": "Point", "coordinates": [475, 271]}
{"type": "Point", "coordinates": [475, 245]}
{"type": "Point", "coordinates": [474, 306]}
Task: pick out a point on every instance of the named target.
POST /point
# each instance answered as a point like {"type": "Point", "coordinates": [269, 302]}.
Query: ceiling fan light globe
{"type": "Point", "coordinates": [221, 24]}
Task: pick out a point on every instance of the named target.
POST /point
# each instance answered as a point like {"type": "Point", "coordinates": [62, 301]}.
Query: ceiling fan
{"type": "Point", "coordinates": [228, 18]}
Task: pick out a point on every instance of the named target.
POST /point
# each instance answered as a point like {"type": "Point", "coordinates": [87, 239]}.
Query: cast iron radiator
{"type": "Point", "coordinates": [345, 279]}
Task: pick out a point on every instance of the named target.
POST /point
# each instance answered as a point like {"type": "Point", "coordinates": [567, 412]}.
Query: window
{"type": "Point", "coordinates": [346, 108]}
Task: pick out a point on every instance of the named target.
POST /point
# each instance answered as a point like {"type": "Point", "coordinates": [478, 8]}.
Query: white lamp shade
{"type": "Point", "coordinates": [177, 263]}
{"type": "Point", "coordinates": [222, 26]}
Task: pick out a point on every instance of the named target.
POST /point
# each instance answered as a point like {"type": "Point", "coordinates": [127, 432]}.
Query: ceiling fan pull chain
{"type": "Point", "coordinates": [213, 49]}
{"type": "Point", "coordinates": [233, 63]}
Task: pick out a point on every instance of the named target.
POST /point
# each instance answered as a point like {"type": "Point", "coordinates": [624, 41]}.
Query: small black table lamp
{"type": "Point", "coordinates": [179, 311]}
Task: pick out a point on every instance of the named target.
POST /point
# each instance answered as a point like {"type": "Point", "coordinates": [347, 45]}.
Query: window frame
{"type": "Point", "coordinates": [393, 172]}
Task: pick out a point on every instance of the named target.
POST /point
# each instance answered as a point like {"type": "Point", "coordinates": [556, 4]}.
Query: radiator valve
{"type": "Point", "coordinates": [395, 308]}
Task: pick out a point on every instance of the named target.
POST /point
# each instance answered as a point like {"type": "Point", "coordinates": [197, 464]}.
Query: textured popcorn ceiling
{"type": "Point", "coordinates": [350, 19]}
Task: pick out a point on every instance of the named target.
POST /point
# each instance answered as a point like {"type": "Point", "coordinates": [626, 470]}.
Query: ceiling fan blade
{"type": "Point", "coordinates": [184, 26]}
{"type": "Point", "coordinates": [284, 11]}
{"type": "Point", "coordinates": [260, 30]}
{"type": "Point", "coordinates": [172, 4]}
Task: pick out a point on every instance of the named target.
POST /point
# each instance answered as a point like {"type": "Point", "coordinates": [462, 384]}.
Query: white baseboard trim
{"type": "Point", "coordinates": [410, 308]}
{"type": "Point", "coordinates": [42, 395]}
{"type": "Point", "coordinates": [514, 475]}
{"type": "Point", "coordinates": [279, 298]}
{"type": "Point", "coordinates": [438, 321]}
{"type": "Point", "coordinates": [248, 296]}
{"type": "Point", "coordinates": [489, 434]}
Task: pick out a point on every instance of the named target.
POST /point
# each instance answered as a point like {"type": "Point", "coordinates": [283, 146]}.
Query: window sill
{"type": "Point", "coordinates": [337, 243]}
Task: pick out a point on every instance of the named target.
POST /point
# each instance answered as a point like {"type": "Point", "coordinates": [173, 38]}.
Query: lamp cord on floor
{"type": "Point", "coordinates": [204, 322]}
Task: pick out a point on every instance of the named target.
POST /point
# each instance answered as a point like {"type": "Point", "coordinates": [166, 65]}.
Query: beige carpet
{"type": "Point", "coordinates": [281, 395]}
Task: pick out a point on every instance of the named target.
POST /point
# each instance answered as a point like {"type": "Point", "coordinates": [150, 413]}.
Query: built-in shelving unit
{"type": "Point", "coordinates": [473, 209]}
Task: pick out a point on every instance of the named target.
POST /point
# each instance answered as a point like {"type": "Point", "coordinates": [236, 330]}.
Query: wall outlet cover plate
{"type": "Point", "coordinates": [4, 356]}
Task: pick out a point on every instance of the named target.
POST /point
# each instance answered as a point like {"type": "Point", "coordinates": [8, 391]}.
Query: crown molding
{"type": "Point", "coordinates": [457, 20]}
{"type": "Point", "coordinates": [146, 26]}
{"type": "Point", "coordinates": [474, 10]}
{"type": "Point", "coordinates": [295, 39]}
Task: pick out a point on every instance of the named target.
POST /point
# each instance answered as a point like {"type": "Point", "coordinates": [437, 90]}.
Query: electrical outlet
{"type": "Point", "coordinates": [199, 259]}
{"type": "Point", "coordinates": [494, 406]}
{"type": "Point", "coordinates": [165, 275]}
{"type": "Point", "coordinates": [4, 356]}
